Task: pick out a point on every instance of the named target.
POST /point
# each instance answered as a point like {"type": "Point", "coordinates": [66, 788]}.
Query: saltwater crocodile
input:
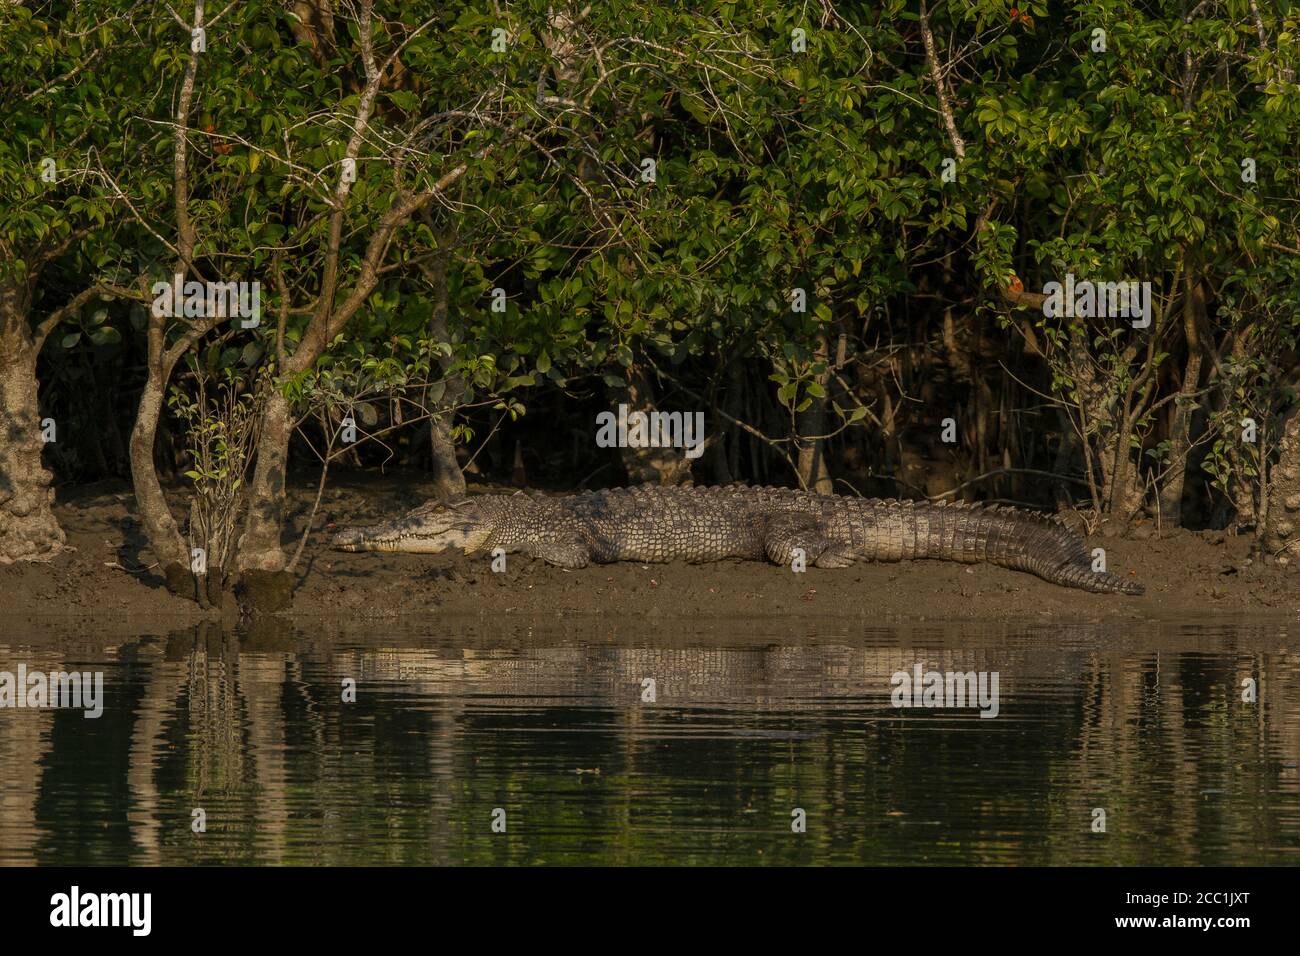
{"type": "Point", "coordinates": [658, 524]}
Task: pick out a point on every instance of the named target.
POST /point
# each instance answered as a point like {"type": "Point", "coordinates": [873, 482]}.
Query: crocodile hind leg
{"type": "Point", "coordinates": [570, 553]}
{"type": "Point", "coordinates": [787, 533]}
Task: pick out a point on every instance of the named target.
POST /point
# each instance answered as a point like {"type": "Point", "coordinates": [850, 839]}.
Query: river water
{"type": "Point", "coordinates": [723, 742]}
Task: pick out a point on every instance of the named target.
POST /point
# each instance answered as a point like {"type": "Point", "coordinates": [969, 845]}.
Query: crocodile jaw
{"type": "Point", "coordinates": [380, 539]}
{"type": "Point", "coordinates": [413, 535]}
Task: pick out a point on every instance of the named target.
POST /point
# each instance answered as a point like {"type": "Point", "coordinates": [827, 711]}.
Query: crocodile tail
{"type": "Point", "coordinates": [1083, 577]}
{"type": "Point", "coordinates": [1012, 538]}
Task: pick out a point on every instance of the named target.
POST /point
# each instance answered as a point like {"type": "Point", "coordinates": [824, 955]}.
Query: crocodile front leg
{"type": "Point", "coordinates": [787, 532]}
{"type": "Point", "coordinates": [567, 553]}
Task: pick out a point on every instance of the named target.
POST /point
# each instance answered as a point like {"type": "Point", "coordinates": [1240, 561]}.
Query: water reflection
{"type": "Point", "coordinates": [750, 720]}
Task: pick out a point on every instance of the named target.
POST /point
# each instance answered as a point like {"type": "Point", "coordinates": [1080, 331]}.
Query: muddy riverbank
{"type": "Point", "coordinates": [106, 575]}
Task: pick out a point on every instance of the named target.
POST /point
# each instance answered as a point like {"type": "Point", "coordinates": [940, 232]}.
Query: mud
{"type": "Point", "coordinates": [107, 578]}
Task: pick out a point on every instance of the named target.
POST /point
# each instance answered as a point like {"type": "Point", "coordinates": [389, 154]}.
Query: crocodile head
{"type": "Point", "coordinates": [429, 529]}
